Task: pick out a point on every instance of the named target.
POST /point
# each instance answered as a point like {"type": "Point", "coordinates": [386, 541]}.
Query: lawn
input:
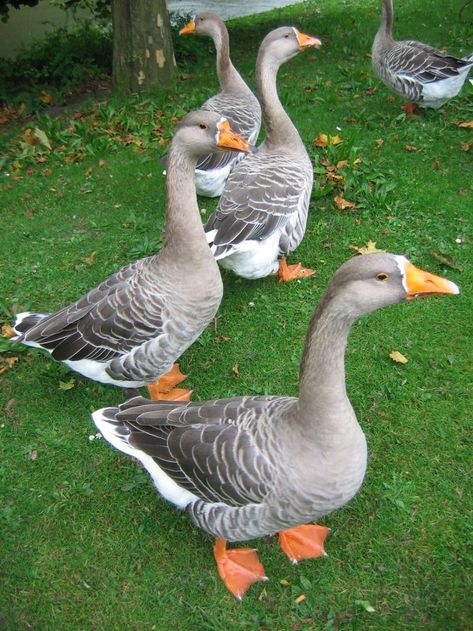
{"type": "Point", "coordinates": [86, 543]}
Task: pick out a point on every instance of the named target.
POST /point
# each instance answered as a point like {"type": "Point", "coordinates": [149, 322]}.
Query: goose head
{"type": "Point", "coordinates": [285, 42]}
{"type": "Point", "coordinates": [372, 281]}
{"type": "Point", "coordinates": [203, 131]}
{"type": "Point", "coordinates": [205, 23]}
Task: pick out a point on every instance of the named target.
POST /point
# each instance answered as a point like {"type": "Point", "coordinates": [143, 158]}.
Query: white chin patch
{"type": "Point", "coordinates": [401, 263]}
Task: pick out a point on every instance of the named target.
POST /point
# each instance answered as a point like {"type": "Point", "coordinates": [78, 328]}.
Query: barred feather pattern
{"type": "Point", "coordinates": [235, 456]}
{"type": "Point", "coordinates": [138, 321]}
{"type": "Point", "coordinates": [267, 193]}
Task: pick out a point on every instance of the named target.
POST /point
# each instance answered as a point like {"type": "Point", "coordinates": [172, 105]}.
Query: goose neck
{"type": "Point", "coordinates": [280, 130]}
{"type": "Point", "coordinates": [228, 76]}
{"type": "Point", "coordinates": [386, 27]}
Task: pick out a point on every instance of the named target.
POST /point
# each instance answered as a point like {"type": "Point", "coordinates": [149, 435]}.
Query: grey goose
{"type": "Point", "coordinates": [415, 71]}
{"type": "Point", "coordinates": [235, 101]}
{"type": "Point", "coordinates": [262, 213]}
{"type": "Point", "coordinates": [129, 330]}
{"type": "Point", "coordinates": [251, 466]}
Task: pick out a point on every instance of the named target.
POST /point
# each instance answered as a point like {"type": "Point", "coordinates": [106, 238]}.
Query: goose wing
{"type": "Point", "coordinates": [422, 62]}
{"type": "Point", "coordinates": [217, 450]}
{"type": "Point", "coordinates": [116, 316]}
{"type": "Point", "coordinates": [262, 194]}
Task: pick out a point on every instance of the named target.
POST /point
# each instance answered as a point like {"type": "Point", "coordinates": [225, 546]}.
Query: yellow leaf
{"type": "Point", "coordinates": [46, 98]}
{"type": "Point", "coordinates": [236, 370]}
{"type": "Point", "coordinates": [67, 385]}
{"type": "Point", "coordinates": [336, 140]}
{"type": "Point", "coordinates": [466, 124]}
{"type": "Point", "coordinates": [398, 357]}
{"type": "Point", "coordinates": [341, 164]}
{"type": "Point", "coordinates": [368, 248]}
{"type": "Point", "coordinates": [379, 142]}
{"type": "Point", "coordinates": [42, 138]}
{"type": "Point", "coordinates": [284, 582]}
{"type": "Point", "coordinates": [7, 331]}
{"type": "Point", "coordinates": [342, 204]}
{"type": "Point", "coordinates": [300, 598]}
{"type": "Point", "coordinates": [321, 140]}
{"type": "Point", "coordinates": [89, 260]}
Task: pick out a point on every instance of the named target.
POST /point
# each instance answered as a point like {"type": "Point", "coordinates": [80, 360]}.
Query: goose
{"type": "Point", "coordinates": [418, 72]}
{"type": "Point", "coordinates": [250, 466]}
{"type": "Point", "coordinates": [235, 101]}
{"type": "Point", "coordinates": [262, 213]}
{"type": "Point", "coordinates": [129, 330]}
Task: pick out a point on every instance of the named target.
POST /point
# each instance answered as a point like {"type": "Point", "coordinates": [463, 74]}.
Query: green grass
{"type": "Point", "coordinates": [85, 541]}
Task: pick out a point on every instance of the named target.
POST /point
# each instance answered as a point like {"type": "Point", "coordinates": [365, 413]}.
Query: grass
{"type": "Point", "coordinates": [86, 543]}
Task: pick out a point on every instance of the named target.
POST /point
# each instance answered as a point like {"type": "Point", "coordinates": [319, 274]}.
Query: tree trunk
{"type": "Point", "coordinates": [143, 57]}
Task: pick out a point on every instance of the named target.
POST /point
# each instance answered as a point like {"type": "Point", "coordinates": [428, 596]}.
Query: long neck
{"type": "Point", "coordinates": [322, 397]}
{"type": "Point", "coordinates": [184, 231]}
{"type": "Point", "coordinates": [278, 125]}
{"type": "Point", "coordinates": [228, 76]}
{"type": "Point", "coordinates": [386, 26]}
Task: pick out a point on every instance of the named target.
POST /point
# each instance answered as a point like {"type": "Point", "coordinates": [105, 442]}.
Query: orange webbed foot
{"type": "Point", "coordinates": [411, 108]}
{"type": "Point", "coordinates": [291, 272]}
{"type": "Point", "coordinates": [303, 542]}
{"type": "Point", "coordinates": [163, 388]}
{"type": "Point", "coordinates": [238, 568]}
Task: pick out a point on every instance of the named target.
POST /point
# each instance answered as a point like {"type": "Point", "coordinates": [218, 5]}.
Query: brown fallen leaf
{"type": "Point", "coordinates": [28, 137]}
{"type": "Point", "coordinates": [321, 140]}
{"type": "Point", "coordinates": [300, 598]}
{"type": "Point", "coordinates": [101, 162]}
{"type": "Point", "coordinates": [341, 164]}
{"type": "Point", "coordinates": [7, 331]}
{"type": "Point", "coordinates": [436, 165]}
{"type": "Point", "coordinates": [33, 454]}
{"type": "Point", "coordinates": [343, 204]}
{"type": "Point", "coordinates": [398, 357]}
{"type": "Point", "coordinates": [42, 138]}
{"type": "Point", "coordinates": [46, 98]}
{"type": "Point", "coordinates": [447, 260]}
{"type": "Point", "coordinates": [236, 370]}
{"type": "Point", "coordinates": [368, 248]}
{"type": "Point", "coordinates": [379, 142]}
{"type": "Point", "coordinates": [466, 146]}
{"type": "Point", "coordinates": [465, 124]}
{"type": "Point", "coordinates": [89, 260]}
{"type": "Point", "coordinates": [410, 148]}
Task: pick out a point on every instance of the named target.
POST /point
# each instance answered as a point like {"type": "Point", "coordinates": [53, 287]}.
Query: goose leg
{"type": "Point", "coordinates": [163, 388]}
{"type": "Point", "coordinates": [303, 542]}
{"type": "Point", "coordinates": [238, 568]}
{"type": "Point", "coordinates": [290, 272]}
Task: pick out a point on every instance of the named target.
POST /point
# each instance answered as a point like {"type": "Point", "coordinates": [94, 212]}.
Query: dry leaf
{"type": "Point", "coordinates": [42, 138]}
{"type": "Point", "coordinates": [33, 454]}
{"type": "Point", "coordinates": [379, 142]}
{"type": "Point", "coordinates": [368, 248]}
{"type": "Point", "coordinates": [343, 204]}
{"type": "Point", "coordinates": [410, 148]}
{"type": "Point", "coordinates": [465, 146]}
{"type": "Point", "coordinates": [67, 385]}
{"type": "Point", "coordinates": [6, 187]}
{"type": "Point", "coordinates": [46, 98]}
{"type": "Point", "coordinates": [300, 598]}
{"type": "Point", "coordinates": [7, 330]}
{"type": "Point", "coordinates": [89, 260]}
{"type": "Point", "coordinates": [28, 137]}
{"type": "Point", "coordinates": [398, 357]}
{"type": "Point", "coordinates": [89, 172]}
{"type": "Point", "coordinates": [321, 140]}
{"type": "Point", "coordinates": [436, 165]}
{"type": "Point", "coordinates": [236, 370]}
{"type": "Point", "coordinates": [101, 162]}
{"type": "Point", "coordinates": [465, 124]}
{"type": "Point", "coordinates": [447, 260]}
{"type": "Point", "coordinates": [342, 164]}
{"type": "Point", "coordinates": [284, 582]}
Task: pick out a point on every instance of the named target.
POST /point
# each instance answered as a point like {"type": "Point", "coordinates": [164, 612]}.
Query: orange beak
{"type": "Point", "coordinates": [307, 41]}
{"type": "Point", "coordinates": [228, 139]}
{"type": "Point", "coordinates": [188, 28]}
{"type": "Point", "coordinates": [420, 283]}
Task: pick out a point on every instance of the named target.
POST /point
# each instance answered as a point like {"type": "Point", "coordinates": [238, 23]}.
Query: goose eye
{"type": "Point", "coordinates": [202, 126]}
{"type": "Point", "coordinates": [382, 276]}
{"type": "Point", "coordinates": [286, 36]}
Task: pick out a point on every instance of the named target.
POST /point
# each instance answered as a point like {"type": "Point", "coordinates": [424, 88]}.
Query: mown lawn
{"type": "Point", "coordinates": [86, 543]}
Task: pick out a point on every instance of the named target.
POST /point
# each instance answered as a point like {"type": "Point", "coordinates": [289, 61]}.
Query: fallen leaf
{"type": "Point", "coordinates": [379, 142]}
{"type": "Point", "coordinates": [236, 370]}
{"type": "Point", "coordinates": [7, 330]}
{"type": "Point", "coordinates": [343, 204]}
{"type": "Point", "coordinates": [321, 140]}
{"type": "Point", "coordinates": [284, 582]}
{"type": "Point", "coordinates": [101, 162]}
{"type": "Point", "coordinates": [89, 260]}
{"type": "Point", "coordinates": [465, 146]}
{"type": "Point", "coordinates": [300, 598]}
{"type": "Point", "coordinates": [465, 124]}
{"type": "Point", "coordinates": [462, 192]}
{"type": "Point", "coordinates": [88, 172]}
{"type": "Point", "coordinates": [42, 138]}
{"type": "Point", "coordinates": [342, 164]}
{"type": "Point", "coordinates": [398, 357]}
{"type": "Point", "coordinates": [46, 98]}
{"type": "Point", "coordinates": [28, 137]}
{"type": "Point", "coordinates": [436, 165]}
{"type": "Point", "coordinates": [447, 260]}
{"type": "Point", "coordinates": [223, 338]}
{"type": "Point", "coordinates": [336, 140]}
{"type": "Point", "coordinates": [33, 454]}
{"type": "Point", "coordinates": [410, 148]}
{"type": "Point", "coordinates": [368, 248]}
{"type": "Point", "coordinates": [6, 187]}
{"type": "Point", "coordinates": [67, 385]}
{"type": "Point", "coordinates": [47, 172]}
